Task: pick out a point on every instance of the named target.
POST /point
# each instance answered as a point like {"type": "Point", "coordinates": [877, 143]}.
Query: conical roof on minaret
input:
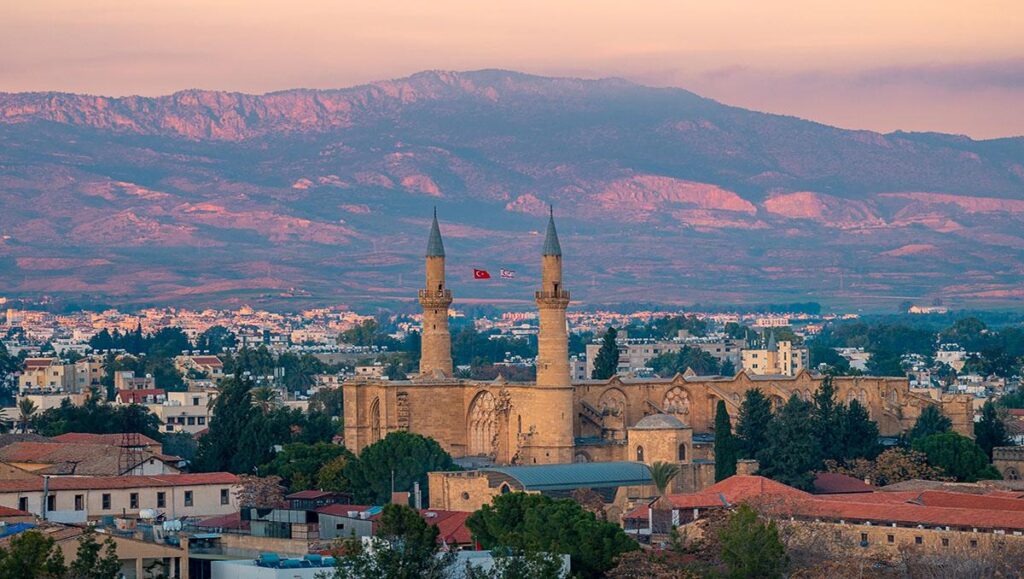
{"type": "Point", "coordinates": [551, 245]}
{"type": "Point", "coordinates": [435, 247]}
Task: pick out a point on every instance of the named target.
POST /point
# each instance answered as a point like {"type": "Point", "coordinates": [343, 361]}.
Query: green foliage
{"type": "Point", "coordinates": [242, 434]}
{"type": "Point", "coordinates": [1014, 399]}
{"type": "Point", "coordinates": [509, 564]}
{"type": "Point", "coordinates": [668, 328]}
{"type": "Point", "coordinates": [32, 555]}
{"type": "Point", "coordinates": [835, 364]}
{"type": "Point", "coordinates": [885, 363]}
{"type": "Point", "coordinates": [331, 476]}
{"type": "Point", "coordinates": [215, 339]}
{"type": "Point", "coordinates": [181, 444]}
{"type": "Point", "coordinates": [791, 452]}
{"type": "Point", "coordinates": [162, 369]}
{"type": "Point", "coordinates": [406, 456]}
{"type": "Point", "coordinates": [606, 364]}
{"type": "Point", "coordinates": [990, 431]}
{"type": "Point", "coordinates": [751, 548]}
{"type": "Point", "coordinates": [95, 560]}
{"type": "Point", "coordinates": [480, 349]}
{"type": "Point", "coordinates": [662, 474]}
{"type": "Point", "coordinates": [165, 343]}
{"type": "Point", "coordinates": [330, 401]}
{"type": "Point", "coordinates": [754, 421]}
{"type": "Point", "coordinates": [958, 456]}
{"type": "Point", "coordinates": [405, 547]}
{"type": "Point", "coordinates": [826, 420]}
{"type": "Point", "coordinates": [725, 444]}
{"type": "Point", "coordinates": [859, 433]}
{"type": "Point", "coordinates": [671, 363]}
{"type": "Point", "coordinates": [97, 418]}
{"type": "Point", "coordinates": [537, 523]}
{"type": "Point", "coordinates": [299, 464]}
{"type": "Point", "coordinates": [931, 421]}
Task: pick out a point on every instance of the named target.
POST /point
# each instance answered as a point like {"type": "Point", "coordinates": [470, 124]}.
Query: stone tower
{"type": "Point", "coordinates": [436, 341]}
{"type": "Point", "coordinates": [552, 299]}
{"type": "Point", "coordinates": [550, 403]}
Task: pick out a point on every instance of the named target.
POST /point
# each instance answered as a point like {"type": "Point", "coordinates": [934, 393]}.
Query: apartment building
{"type": "Point", "coordinates": [183, 411]}
{"type": "Point", "coordinates": [634, 355]}
{"type": "Point", "coordinates": [777, 358]}
{"type": "Point", "coordinates": [209, 366]}
{"type": "Point", "coordinates": [79, 499]}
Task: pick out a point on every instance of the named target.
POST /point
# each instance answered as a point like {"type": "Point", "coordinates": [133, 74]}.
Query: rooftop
{"type": "Point", "coordinates": [571, 476]}
{"type": "Point", "coordinates": [659, 422]}
{"type": "Point", "coordinates": [119, 482]}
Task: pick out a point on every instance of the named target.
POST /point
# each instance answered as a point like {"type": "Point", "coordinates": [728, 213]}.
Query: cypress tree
{"type": "Point", "coordinates": [859, 433]}
{"type": "Point", "coordinates": [752, 426]}
{"type": "Point", "coordinates": [791, 453]}
{"type": "Point", "coordinates": [990, 432]}
{"type": "Point", "coordinates": [607, 361]}
{"type": "Point", "coordinates": [930, 422]}
{"type": "Point", "coordinates": [826, 421]}
{"type": "Point", "coordinates": [725, 444]}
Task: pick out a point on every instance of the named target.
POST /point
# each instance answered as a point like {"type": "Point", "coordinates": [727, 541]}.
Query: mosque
{"type": "Point", "coordinates": [555, 420]}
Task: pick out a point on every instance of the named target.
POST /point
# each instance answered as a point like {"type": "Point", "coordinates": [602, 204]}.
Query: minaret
{"type": "Point", "coordinates": [552, 299]}
{"type": "Point", "coordinates": [436, 341]}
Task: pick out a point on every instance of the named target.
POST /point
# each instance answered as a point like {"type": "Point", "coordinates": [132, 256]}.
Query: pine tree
{"type": "Point", "coordinates": [727, 368]}
{"type": "Point", "coordinates": [752, 427]}
{"type": "Point", "coordinates": [791, 454]}
{"type": "Point", "coordinates": [990, 431]}
{"type": "Point", "coordinates": [826, 421]}
{"type": "Point", "coordinates": [752, 547]}
{"type": "Point", "coordinates": [725, 444]}
{"type": "Point", "coordinates": [607, 361]}
{"type": "Point", "coordinates": [95, 560]}
{"type": "Point", "coordinates": [859, 438]}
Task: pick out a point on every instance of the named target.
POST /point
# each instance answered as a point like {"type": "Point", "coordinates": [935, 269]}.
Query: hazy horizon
{"type": "Point", "coordinates": [956, 67]}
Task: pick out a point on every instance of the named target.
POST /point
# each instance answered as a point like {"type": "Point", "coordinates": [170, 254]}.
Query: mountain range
{"type": "Point", "coordinates": [661, 196]}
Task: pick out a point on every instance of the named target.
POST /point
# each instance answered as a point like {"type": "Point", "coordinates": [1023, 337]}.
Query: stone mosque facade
{"type": "Point", "coordinates": [556, 420]}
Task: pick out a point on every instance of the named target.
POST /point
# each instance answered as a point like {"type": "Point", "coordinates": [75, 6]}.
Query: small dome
{"type": "Point", "coordinates": [659, 422]}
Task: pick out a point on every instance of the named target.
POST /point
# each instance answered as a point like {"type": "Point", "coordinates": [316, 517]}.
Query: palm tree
{"type": "Point", "coordinates": [662, 474]}
{"type": "Point", "coordinates": [266, 398]}
{"type": "Point", "coordinates": [26, 408]}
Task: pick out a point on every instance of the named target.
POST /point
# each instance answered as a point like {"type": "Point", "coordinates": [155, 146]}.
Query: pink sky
{"type": "Point", "coordinates": [946, 65]}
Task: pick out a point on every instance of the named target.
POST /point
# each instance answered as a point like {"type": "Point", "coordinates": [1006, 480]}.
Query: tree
{"type": "Point", "coordinates": [95, 560]}
{"type": "Point", "coordinates": [671, 363]}
{"type": "Point", "coordinates": [606, 364]}
{"type": "Point", "coordinates": [727, 368]}
{"type": "Point", "coordinates": [32, 555]}
{"type": "Point", "coordinates": [299, 464]}
{"type": "Point", "coordinates": [990, 431]}
{"type": "Point", "coordinates": [662, 473]}
{"type": "Point", "coordinates": [215, 339]}
{"type": "Point", "coordinates": [957, 456]}
{"type": "Point", "coordinates": [331, 476]}
{"type": "Point", "coordinates": [833, 363]}
{"type": "Point", "coordinates": [26, 409]}
{"type": "Point", "coordinates": [725, 444]}
{"type": "Point", "coordinates": [402, 457]}
{"type": "Point", "coordinates": [751, 547]}
{"type": "Point", "coordinates": [931, 421]}
{"type": "Point", "coordinates": [826, 421]}
{"type": "Point", "coordinates": [790, 453]}
{"type": "Point", "coordinates": [405, 547]}
{"type": "Point", "coordinates": [509, 564]}
{"type": "Point", "coordinates": [97, 418]}
{"type": "Point", "coordinates": [890, 467]}
{"type": "Point", "coordinates": [180, 444]}
{"type": "Point", "coordinates": [262, 492]}
{"type": "Point", "coordinates": [752, 426]}
{"type": "Point", "coordinates": [859, 434]}
{"type": "Point", "coordinates": [265, 398]}
{"type": "Point", "coordinates": [537, 523]}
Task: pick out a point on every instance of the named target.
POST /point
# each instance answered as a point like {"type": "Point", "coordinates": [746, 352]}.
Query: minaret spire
{"type": "Point", "coordinates": [435, 340]}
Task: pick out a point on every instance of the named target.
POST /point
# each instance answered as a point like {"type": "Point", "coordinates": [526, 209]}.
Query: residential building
{"type": "Point", "coordinates": [776, 358]}
{"type": "Point", "coordinates": [183, 411]}
{"type": "Point", "coordinates": [201, 366]}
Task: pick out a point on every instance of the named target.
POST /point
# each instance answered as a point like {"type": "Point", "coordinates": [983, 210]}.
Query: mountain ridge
{"type": "Point", "coordinates": [193, 196]}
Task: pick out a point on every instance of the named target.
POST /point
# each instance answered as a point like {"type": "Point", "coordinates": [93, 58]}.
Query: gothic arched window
{"type": "Point", "coordinates": [682, 452]}
{"type": "Point", "coordinates": [639, 454]}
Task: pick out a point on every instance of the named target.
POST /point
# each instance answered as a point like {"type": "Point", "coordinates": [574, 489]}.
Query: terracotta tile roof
{"type": "Point", "coordinates": [120, 482]}
{"type": "Point", "coordinates": [228, 521]}
{"type": "Point", "coordinates": [36, 363]}
{"type": "Point", "coordinates": [451, 526]}
{"type": "Point", "coordinates": [309, 494]}
{"type": "Point", "coordinates": [9, 512]}
{"type": "Point", "coordinates": [11, 438]}
{"type": "Point", "coordinates": [213, 361]}
{"type": "Point", "coordinates": [110, 439]}
{"type": "Point", "coordinates": [734, 489]}
{"type": "Point", "coordinates": [827, 483]}
{"type": "Point", "coordinates": [138, 396]}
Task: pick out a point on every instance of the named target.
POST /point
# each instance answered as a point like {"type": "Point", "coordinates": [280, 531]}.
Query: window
{"type": "Point", "coordinates": [161, 500]}
{"type": "Point", "coordinates": [891, 538]}
{"type": "Point", "coordinates": [682, 452]}
{"type": "Point", "coordinates": [133, 501]}
{"type": "Point", "coordinates": [169, 428]}
{"type": "Point", "coordinates": [863, 538]}
{"type": "Point", "coordinates": [79, 502]}
{"type": "Point", "coordinates": [106, 501]}
{"type": "Point", "coordinates": [51, 503]}
{"type": "Point", "coordinates": [195, 401]}
{"type": "Point", "coordinates": [201, 420]}
{"type": "Point", "coordinates": [188, 498]}
{"type": "Point", "coordinates": [974, 543]}
{"type": "Point", "coordinates": [639, 454]}
{"type": "Point", "coordinates": [945, 542]}
{"type": "Point", "coordinates": [918, 540]}
{"type": "Point", "coordinates": [225, 496]}
{"type": "Point", "coordinates": [22, 503]}
{"type": "Point", "coordinates": [192, 420]}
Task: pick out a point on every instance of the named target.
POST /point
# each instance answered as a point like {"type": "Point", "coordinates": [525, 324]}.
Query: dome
{"type": "Point", "coordinates": [659, 422]}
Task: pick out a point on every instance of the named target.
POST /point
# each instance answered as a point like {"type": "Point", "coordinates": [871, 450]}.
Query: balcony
{"type": "Point", "coordinates": [444, 294]}
{"type": "Point", "coordinates": [555, 295]}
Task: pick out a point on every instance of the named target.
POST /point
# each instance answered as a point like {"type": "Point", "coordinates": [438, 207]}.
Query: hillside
{"type": "Point", "coordinates": [207, 197]}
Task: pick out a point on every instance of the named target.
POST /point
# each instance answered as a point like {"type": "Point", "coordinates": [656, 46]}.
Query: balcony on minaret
{"type": "Point", "coordinates": [435, 299]}
{"type": "Point", "coordinates": [551, 295]}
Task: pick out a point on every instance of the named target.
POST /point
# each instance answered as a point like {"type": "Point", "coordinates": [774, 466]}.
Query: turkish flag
{"type": "Point", "coordinates": [481, 274]}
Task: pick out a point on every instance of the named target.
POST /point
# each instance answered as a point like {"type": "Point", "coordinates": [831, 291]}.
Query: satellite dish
{"type": "Point", "coordinates": [148, 514]}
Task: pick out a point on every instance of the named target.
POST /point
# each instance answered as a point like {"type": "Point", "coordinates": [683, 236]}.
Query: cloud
{"type": "Point", "coordinates": [1006, 74]}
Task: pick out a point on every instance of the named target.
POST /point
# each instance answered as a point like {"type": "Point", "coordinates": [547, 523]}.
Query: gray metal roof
{"type": "Point", "coordinates": [551, 477]}
{"type": "Point", "coordinates": [435, 247]}
{"type": "Point", "coordinates": [551, 245]}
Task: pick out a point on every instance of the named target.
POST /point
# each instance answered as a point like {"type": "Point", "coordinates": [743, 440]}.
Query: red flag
{"type": "Point", "coordinates": [481, 274]}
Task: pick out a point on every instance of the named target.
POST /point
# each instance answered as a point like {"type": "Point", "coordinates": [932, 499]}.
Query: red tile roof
{"type": "Point", "coordinates": [119, 482]}
{"type": "Point", "coordinates": [734, 489]}
{"type": "Point", "coordinates": [342, 510]}
{"type": "Point", "coordinates": [228, 521]}
{"type": "Point", "coordinates": [34, 363]}
{"type": "Point", "coordinates": [213, 361]}
{"type": "Point", "coordinates": [9, 512]}
{"type": "Point", "coordinates": [451, 526]}
{"type": "Point", "coordinates": [138, 396]}
{"type": "Point", "coordinates": [827, 483]}
{"type": "Point", "coordinates": [111, 439]}
{"type": "Point", "coordinates": [310, 494]}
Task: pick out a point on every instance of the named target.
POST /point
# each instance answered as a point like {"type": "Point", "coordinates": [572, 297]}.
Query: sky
{"type": "Point", "coordinates": [925, 65]}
